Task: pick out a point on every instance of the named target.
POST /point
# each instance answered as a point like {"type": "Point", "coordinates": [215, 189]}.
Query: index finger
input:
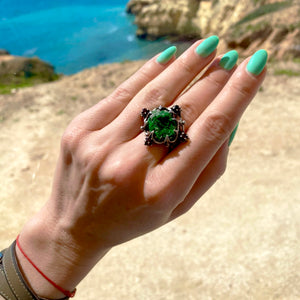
{"type": "Point", "coordinates": [102, 113]}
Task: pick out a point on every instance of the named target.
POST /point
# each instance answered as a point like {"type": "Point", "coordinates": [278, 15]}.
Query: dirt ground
{"type": "Point", "coordinates": [240, 241]}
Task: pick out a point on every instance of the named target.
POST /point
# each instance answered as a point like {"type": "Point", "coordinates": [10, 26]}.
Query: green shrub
{"type": "Point", "coordinates": [286, 72]}
{"type": "Point", "coordinates": [7, 88]}
{"type": "Point", "coordinates": [265, 9]}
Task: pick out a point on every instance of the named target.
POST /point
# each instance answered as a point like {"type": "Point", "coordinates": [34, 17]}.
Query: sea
{"type": "Point", "coordinates": [73, 34]}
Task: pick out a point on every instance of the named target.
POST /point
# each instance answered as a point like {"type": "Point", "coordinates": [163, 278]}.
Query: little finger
{"type": "Point", "coordinates": [213, 171]}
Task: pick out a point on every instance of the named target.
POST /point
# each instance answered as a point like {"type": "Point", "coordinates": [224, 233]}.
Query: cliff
{"type": "Point", "coordinates": [157, 18]}
{"type": "Point", "coordinates": [243, 25]}
{"type": "Point", "coordinates": [18, 71]}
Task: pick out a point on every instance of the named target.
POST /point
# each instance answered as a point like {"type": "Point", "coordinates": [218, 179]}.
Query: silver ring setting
{"type": "Point", "coordinates": [163, 126]}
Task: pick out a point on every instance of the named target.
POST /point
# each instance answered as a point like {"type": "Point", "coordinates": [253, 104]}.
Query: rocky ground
{"type": "Point", "coordinates": [241, 240]}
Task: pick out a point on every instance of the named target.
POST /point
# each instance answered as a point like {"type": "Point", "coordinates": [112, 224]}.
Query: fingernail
{"type": "Point", "coordinates": [166, 55]}
{"type": "Point", "coordinates": [208, 46]}
{"type": "Point", "coordinates": [257, 62]}
{"type": "Point", "coordinates": [232, 135]}
{"type": "Point", "coordinates": [229, 60]}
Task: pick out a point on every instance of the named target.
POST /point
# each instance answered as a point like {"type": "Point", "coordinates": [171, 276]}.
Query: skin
{"type": "Point", "coordinates": [105, 194]}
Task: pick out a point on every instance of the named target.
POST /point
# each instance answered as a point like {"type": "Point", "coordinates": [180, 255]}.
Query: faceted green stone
{"type": "Point", "coordinates": [163, 124]}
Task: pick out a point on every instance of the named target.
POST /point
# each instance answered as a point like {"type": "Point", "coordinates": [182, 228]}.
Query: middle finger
{"type": "Point", "coordinates": [195, 100]}
{"type": "Point", "coordinates": [167, 86]}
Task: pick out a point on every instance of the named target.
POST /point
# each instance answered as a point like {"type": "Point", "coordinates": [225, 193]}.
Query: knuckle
{"type": "Point", "coordinates": [154, 193]}
{"type": "Point", "coordinates": [221, 168]}
{"type": "Point", "coordinates": [71, 139]}
{"type": "Point", "coordinates": [146, 71]}
{"type": "Point", "coordinates": [121, 170]}
{"type": "Point", "coordinates": [159, 200]}
{"type": "Point", "coordinates": [122, 94]}
{"type": "Point", "coordinates": [216, 127]}
{"type": "Point", "coordinates": [244, 90]}
{"type": "Point", "coordinates": [157, 194]}
{"type": "Point", "coordinates": [155, 95]}
{"type": "Point", "coordinates": [115, 172]}
{"type": "Point", "coordinates": [158, 197]}
{"type": "Point", "coordinates": [90, 157]}
{"type": "Point", "coordinates": [214, 80]}
{"type": "Point", "coordinates": [189, 112]}
{"type": "Point", "coordinates": [185, 65]}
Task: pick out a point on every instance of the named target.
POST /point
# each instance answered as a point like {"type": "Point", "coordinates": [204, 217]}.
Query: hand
{"type": "Point", "coordinates": [109, 187]}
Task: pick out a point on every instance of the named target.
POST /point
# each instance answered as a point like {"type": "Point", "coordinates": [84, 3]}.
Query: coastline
{"type": "Point", "coordinates": [104, 34]}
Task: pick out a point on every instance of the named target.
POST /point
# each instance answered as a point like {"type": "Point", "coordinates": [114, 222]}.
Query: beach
{"type": "Point", "coordinates": [240, 241]}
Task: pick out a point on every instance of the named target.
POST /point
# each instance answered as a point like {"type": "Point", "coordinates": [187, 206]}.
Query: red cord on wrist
{"type": "Point", "coordinates": [65, 292]}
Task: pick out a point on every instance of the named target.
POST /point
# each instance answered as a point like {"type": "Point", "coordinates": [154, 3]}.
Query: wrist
{"type": "Point", "coordinates": [56, 254]}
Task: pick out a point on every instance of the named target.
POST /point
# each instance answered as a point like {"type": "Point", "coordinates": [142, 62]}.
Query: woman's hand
{"type": "Point", "coordinates": [109, 187]}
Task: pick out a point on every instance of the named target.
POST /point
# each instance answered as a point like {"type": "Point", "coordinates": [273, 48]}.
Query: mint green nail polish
{"type": "Point", "coordinates": [207, 46]}
{"type": "Point", "coordinates": [229, 60]}
{"type": "Point", "coordinates": [232, 135]}
{"type": "Point", "coordinates": [166, 55]}
{"type": "Point", "coordinates": [257, 62]}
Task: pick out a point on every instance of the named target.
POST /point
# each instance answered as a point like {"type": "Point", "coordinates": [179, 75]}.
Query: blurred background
{"type": "Point", "coordinates": [72, 35]}
{"type": "Point", "coordinates": [242, 239]}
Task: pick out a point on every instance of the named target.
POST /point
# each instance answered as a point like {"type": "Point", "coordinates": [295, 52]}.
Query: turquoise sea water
{"type": "Point", "coordinates": [72, 34]}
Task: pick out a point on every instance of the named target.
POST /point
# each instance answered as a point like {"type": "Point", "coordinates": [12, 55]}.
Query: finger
{"type": "Point", "coordinates": [204, 91]}
{"type": "Point", "coordinates": [214, 170]}
{"type": "Point", "coordinates": [109, 108]}
{"type": "Point", "coordinates": [211, 129]}
{"type": "Point", "coordinates": [209, 85]}
{"type": "Point", "coordinates": [168, 85]}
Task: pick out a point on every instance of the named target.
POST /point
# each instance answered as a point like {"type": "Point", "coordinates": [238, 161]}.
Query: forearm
{"type": "Point", "coordinates": [56, 255]}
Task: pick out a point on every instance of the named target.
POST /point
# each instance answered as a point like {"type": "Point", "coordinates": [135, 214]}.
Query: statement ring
{"type": "Point", "coordinates": [164, 126]}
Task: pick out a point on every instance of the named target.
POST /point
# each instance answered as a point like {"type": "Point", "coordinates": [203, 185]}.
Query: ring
{"type": "Point", "coordinates": [164, 126]}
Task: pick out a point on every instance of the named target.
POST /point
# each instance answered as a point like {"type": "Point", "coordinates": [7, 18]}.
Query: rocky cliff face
{"type": "Point", "coordinates": [23, 71]}
{"type": "Point", "coordinates": [242, 24]}
{"type": "Point", "coordinates": [158, 18]}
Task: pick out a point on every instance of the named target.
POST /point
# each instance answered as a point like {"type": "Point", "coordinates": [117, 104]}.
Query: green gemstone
{"type": "Point", "coordinates": [163, 125]}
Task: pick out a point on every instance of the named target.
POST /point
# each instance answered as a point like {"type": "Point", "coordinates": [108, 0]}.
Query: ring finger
{"type": "Point", "coordinates": [166, 87]}
{"type": "Point", "coordinates": [204, 91]}
{"type": "Point", "coordinates": [209, 86]}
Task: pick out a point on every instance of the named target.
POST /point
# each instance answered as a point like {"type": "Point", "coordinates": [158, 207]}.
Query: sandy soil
{"type": "Point", "coordinates": [241, 241]}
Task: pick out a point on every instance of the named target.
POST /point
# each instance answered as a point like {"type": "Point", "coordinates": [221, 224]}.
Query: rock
{"type": "Point", "coordinates": [158, 18]}
{"type": "Point", "coordinates": [241, 24]}
{"type": "Point", "coordinates": [17, 69]}
{"type": "Point", "coordinates": [278, 32]}
{"type": "Point", "coordinates": [4, 52]}
{"type": "Point", "coordinates": [135, 6]}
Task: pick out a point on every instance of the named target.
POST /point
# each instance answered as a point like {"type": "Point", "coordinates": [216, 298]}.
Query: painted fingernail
{"type": "Point", "coordinates": [232, 135]}
{"type": "Point", "coordinates": [229, 60]}
{"type": "Point", "coordinates": [207, 46]}
{"type": "Point", "coordinates": [257, 62]}
{"type": "Point", "coordinates": [166, 55]}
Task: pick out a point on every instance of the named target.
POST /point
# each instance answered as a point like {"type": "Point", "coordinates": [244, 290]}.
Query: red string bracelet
{"type": "Point", "coordinates": [65, 292]}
